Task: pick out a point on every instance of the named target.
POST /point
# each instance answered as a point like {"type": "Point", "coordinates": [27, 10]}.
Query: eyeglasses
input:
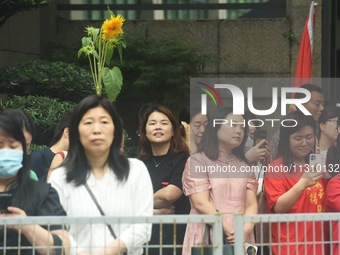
{"type": "Point", "coordinates": [334, 121]}
{"type": "Point", "coordinates": [300, 139]}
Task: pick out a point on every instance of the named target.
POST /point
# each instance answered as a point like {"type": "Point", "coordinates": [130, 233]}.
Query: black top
{"type": "Point", "coordinates": [41, 162]}
{"type": "Point", "coordinates": [45, 203]}
{"type": "Point", "coordinates": [169, 171]}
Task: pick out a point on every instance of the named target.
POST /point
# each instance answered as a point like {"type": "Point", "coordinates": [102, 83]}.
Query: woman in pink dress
{"type": "Point", "coordinates": [216, 181]}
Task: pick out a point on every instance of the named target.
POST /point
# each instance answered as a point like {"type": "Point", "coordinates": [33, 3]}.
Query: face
{"type": "Point", "coordinates": [158, 128]}
{"type": "Point", "coordinates": [329, 129]}
{"type": "Point", "coordinates": [231, 136]}
{"type": "Point", "coordinates": [302, 142]}
{"type": "Point", "coordinates": [96, 131]}
{"type": "Point", "coordinates": [7, 142]}
{"type": "Point", "coordinates": [315, 105]}
{"type": "Point", "coordinates": [198, 124]}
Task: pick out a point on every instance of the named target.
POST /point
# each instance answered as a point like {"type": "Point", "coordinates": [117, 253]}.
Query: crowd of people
{"type": "Point", "coordinates": [84, 172]}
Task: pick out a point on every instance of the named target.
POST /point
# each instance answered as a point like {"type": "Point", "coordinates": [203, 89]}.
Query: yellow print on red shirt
{"type": "Point", "coordinates": [316, 195]}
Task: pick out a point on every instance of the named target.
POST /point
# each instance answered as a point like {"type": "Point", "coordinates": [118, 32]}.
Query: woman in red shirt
{"type": "Point", "coordinates": [292, 186]}
{"type": "Point", "coordinates": [332, 202]}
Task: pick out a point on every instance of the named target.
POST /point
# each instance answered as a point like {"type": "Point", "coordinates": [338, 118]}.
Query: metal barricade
{"type": "Point", "coordinates": [314, 233]}
{"type": "Point", "coordinates": [65, 222]}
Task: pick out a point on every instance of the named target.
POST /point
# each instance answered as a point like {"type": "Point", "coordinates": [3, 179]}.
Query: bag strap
{"type": "Point", "coordinates": [62, 154]}
{"type": "Point", "coordinates": [206, 235]}
{"type": "Point", "coordinates": [100, 209]}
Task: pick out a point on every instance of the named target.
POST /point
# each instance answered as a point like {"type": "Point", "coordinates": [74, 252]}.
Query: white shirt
{"type": "Point", "coordinates": [131, 198]}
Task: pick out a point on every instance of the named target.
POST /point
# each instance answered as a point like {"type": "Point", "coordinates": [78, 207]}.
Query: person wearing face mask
{"type": "Point", "coordinates": [27, 127]}
{"type": "Point", "coordinates": [29, 198]}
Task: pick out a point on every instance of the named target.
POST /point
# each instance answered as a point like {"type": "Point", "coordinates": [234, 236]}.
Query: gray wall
{"type": "Point", "coordinates": [239, 48]}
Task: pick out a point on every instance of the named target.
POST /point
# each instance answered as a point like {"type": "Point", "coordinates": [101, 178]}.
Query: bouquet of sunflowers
{"type": "Point", "coordinates": [98, 46]}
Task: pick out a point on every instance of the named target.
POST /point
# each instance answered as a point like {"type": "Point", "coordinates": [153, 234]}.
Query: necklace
{"type": "Point", "coordinates": [157, 164]}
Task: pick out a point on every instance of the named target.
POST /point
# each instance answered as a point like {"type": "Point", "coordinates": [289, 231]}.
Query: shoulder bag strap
{"type": "Point", "coordinates": [100, 209]}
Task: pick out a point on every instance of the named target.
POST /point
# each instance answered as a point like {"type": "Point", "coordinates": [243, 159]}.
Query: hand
{"type": "Point", "coordinates": [15, 212]}
{"type": "Point", "coordinates": [114, 248]}
{"type": "Point", "coordinates": [311, 177]}
{"type": "Point", "coordinates": [186, 127]}
{"type": "Point", "coordinates": [229, 232]}
{"type": "Point", "coordinates": [257, 153]}
{"type": "Point", "coordinates": [189, 139]}
{"type": "Point", "coordinates": [247, 230]}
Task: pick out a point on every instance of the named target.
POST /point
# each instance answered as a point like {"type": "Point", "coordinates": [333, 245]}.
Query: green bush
{"type": "Point", "coordinates": [64, 81]}
{"type": "Point", "coordinates": [8, 8]}
{"type": "Point", "coordinates": [45, 112]}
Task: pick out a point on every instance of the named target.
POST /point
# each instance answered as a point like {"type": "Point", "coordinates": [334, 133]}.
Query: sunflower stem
{"type": "Point", "coordinates": [92, 71]}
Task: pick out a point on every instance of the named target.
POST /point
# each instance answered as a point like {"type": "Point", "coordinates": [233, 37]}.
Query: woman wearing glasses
{"type": "Point", "coordinates": [328, 130]}
{"type": "Point", "coordinates": [292, 186]}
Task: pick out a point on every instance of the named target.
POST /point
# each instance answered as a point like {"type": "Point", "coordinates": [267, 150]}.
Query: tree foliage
{"type": "Point", "coordinates": [8, 8]}
{"type": "Point", "coordinates": [159, 70]}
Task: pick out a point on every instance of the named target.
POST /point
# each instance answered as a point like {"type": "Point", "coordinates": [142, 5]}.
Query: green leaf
{"type": "Point", "coordinates": [113, 81]}
{"type": "Point", "coordinates": [80, 52]}
{"type": "Point", "coordinates": [86, 41]}
{"type": "Point", "coordinates": [109, 53]}
{"type": "Point", "coordinates": [120, 51]}
{"type": "Point", "coordinates": [95, 34]}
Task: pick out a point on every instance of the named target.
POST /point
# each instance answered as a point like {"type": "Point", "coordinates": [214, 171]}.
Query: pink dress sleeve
{"type": "Point", "coordinates": [252, 183]}
{"type": "Point", "coordinates": [194, 184]}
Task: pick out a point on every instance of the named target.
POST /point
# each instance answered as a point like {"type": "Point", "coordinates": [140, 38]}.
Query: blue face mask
{"type": "Point", "coordinates": [10, 162]}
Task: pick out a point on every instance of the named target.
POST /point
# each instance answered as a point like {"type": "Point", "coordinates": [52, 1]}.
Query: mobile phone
{"type": "Point", "coordinates": [315, 159]}
{"type": "Point", "coordinates": [259, 135]}
{"type": "Point", "coordinates": [5, 201]}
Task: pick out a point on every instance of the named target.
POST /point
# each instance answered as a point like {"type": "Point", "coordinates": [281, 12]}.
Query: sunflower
{"type": "Point", "coordinates": [112, 28]}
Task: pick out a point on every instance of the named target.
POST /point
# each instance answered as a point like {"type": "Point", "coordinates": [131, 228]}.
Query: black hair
{"type": "Point", "coordinates": [22, 118]}
{"type": "Point", "coordinates": [248, 115]}
{"type": "Point", "coordinates": [311, 88]}
{"type": "Point", "coordinates": [76, 163]}
{"type": "Point", "coordinates": [140, 115]}
{"type": "Point", "coordinates": [177, 144]}
{"type": "Point", "coordinates": [63, 123]}
{"type": "Point", "coordinates": [209, 143]}
{"type": "Point", "coordinates": [188, 113]}
{"type": "Point", "coordinates": [301, 121]}
{"type": "Point", "coordinates": [23, 186]}
{"type": "Point", "coordinates": [329, 112]}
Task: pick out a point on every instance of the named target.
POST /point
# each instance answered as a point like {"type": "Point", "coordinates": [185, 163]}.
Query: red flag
{"type": "Point", "coordinates": [303, 71]}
